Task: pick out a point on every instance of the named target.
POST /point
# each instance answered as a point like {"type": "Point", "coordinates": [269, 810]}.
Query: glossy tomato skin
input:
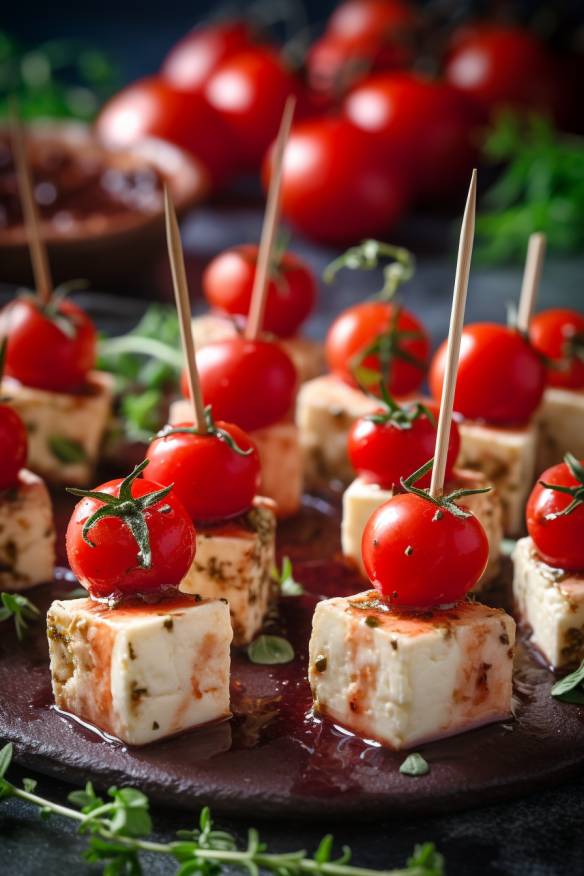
{"type": "Point", "coordinates": [359, 19]}
{"type": "Point", "coordinates": [13, 446]}
{"type": "Point", "coordinates": [192, 61]}
{"type": "Point", "coordinates": [153, 108]}
{"type": "Point", "coordinates": [428, 120]}
{"type": "Point", "coordinates": [501, 378]}
{"type": "Point", "coordinates": [250, 383]}
{"type": "Point", "coordinates": [338, 185]}
{"type": "Point", "coordinates": [559, 541]}
{"type": "Point", "coordinates": [384, 453]}
{"type": "Point", "coordinates": [550, 332]}
{"type": "Point", "coordinates": [110, 570]}
{"type": "Point", "coordinates": [228, 284]}
{"type": "Point", "coordinates": [358, 326]}
{"type": "Point", "coordinates": [40, 354]}
{"type": "Point", "coordinates": [418, 559]}
{"type": "Point", "coordinates": [211, 479]}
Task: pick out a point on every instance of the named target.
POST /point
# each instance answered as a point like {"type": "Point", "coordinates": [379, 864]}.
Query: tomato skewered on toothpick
{"type": "Point", "coordinates": [555, 515]}
{"type": "Point", "coordinates": [558, 334]}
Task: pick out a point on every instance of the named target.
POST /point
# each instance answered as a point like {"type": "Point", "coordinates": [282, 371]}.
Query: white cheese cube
{"type": "Point", "coordinates": [234, 561]}
{"type": "Point", "coordinates": [27, 534]}
{"type": "Point", "coordinates": [325, 411]}
{"type": "Point", "coordinates": [141, 672]}
{"type": "Point", "coordinates": [404, 678]}
{"type": "Point", "coordinates": [561, 426]}
{"type": "Point", "coordinates": [65, 430]}
{"type": "Point", "coordinates": [506, 456]}
{"type": "Point", "coordinates": [307, 354]}
{"type": "Point", "coordinates": [361, 499]}
{"type": "Point", "coordinates": [551, 602]}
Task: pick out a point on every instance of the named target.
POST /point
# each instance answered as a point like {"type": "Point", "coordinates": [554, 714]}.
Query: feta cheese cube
{"type": "Point", "coordinates": [325, 411]}
{"type": "Point", "coordinates": [551, 602]}
{"type": "Point", "coordinates": [561, 426]}
{"type": "Point", "coordinates": [234, 561]}
{"type": "Point", "coordinates": [27, 534]}
{"type": "Point", "coordinates": [65, 430]}
{"type": "Point", "coordinates": [506, 456]}
{"type": "Point", "coordinates": [141, 672]}
{"type": "Point", "coordinates": [361, 499]}
{"type": "Point", "coordinates": [404, 678]}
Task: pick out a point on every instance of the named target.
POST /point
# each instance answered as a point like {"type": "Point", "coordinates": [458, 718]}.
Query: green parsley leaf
{"type": "Point", "coordinates": [570, 689]}
{"type": "Point", "coordinates": [414, 765]}
{"type": "Point", "coordinates": [270, 650]}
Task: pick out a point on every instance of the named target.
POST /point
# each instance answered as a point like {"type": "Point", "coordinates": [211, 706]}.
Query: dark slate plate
{"type": "Point", "coordinates": [274, 758]}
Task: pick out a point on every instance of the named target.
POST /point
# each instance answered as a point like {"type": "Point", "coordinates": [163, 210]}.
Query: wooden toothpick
{"type": "Point", "coordinates": [454, 335]}
{"type": "Point", "coordinates": [531, 277]}
{"type": "Point", "coordinates": [268, 236]}
{"type": "Point", "coordinates": [183, 306]}
{"type": "Point", "coordinates": [38, 251]}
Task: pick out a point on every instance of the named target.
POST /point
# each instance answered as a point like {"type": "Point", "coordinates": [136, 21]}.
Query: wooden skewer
{"type": "Point", "coordinates": [38, 251]}
{"type": "Point", "coordinates": [183, 306]}
{"type": "Point", "coordinates": [454, 335]}
{"type": "Point", "coordinates": [531, 277]}
{"type": "Point", "coordinates": [260, 287]}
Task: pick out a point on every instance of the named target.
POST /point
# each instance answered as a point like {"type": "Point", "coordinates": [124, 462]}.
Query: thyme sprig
{"type": "Point", "coordinates": [128, 508]}
{"type": "Point", "coordinates": [213, 431]}
{"type": "Point", "coordinates": [400, 416]}
{"type": "Point", "coordinates": [118, 830]}
{"type": "Point", "coordinates": [20, 609]}
{"type": "Point", "coordinates": [366, 257]}
{"type": "Point", "coordinates": [443, 503]}
{"type": "Point", "coordinates": [387, 347]}
{"type": "Point", "coordinates": [576, 492]}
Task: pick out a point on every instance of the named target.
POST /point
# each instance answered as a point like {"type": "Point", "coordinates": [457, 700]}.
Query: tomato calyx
{"type": "Point", "coordinates": [130, 509]}
{"type": "Point", "coordinates": [366, 257]}
{"type": "Point", "coordinates": [387, 347]}
{"type": "Point", "coordinates": [576, 492]}
{"type": "Point", "coordinates": [65, 322]}
{"type": "Point", "coordinates": [213, 431]}
{"type": "Point", "coordinates": [400, 416]}
{"type": "Point", "coordinates": [443, 503]}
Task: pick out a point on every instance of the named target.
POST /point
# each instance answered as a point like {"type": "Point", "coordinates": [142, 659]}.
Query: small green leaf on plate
{"type": "Point", "coordinates": [414, 765]}
{"type": "Point", "coordinates": [66, 450]}
{"type": "Point", "coordinates": [570, 689]}
{"type": "Point", "coordinates": [288, 585]}
{"type": "Point", "coordinates": [269, 650]}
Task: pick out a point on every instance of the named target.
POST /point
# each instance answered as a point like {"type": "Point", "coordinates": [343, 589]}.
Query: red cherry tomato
{"type": "Point", "coordinates": [13, 446]}
{"type": "Point", "coordinates": [251, 383]}
{"type": "Point", "coordinates": [337, 185]}
{"type": "Point", "coordinates": [559, 335]}
{"type": "Point", "coordinates": [500, 376]}
{"type": "Point", "coordinates": [249, 91]}
{"type": "Point", "coordinates": [192, 61]}
{"type": "Point", "coordinates": [228, 283]}
{"type": "Point", "coordinates": [559, 540]}
{"type": "Point", "coordinates": [153, 108]}
{"type": "Point", "coordinates": [213, 480]}
{"type": "Point", "coordinates": [358, 327]}
{"type": "Point", "coordinates": [112, 568]}
{"type": "Point", "coordinates": [419, 559]}
{"type": "Point", "coordinates": [383, 453]}
{"type": "Point", "coordinates": [46, 352]}
{"type": "Point", "coordinates": [502, 66]}
{"type": "Point", "coordinates": [429, 121]}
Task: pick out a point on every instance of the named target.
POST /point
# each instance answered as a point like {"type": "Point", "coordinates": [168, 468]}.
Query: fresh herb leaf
{"type": "Point", "coordinates": [285, 578]}
{"type": "Point", "coordinates": [366, 257]}
{"type": "Point", "coordinates": [414, 765]}
{"type": "Point", "coordinates": [270, 650]}
{"type": "Point", "coordinates": [66, 450]}
{"type": "Point", "coordinates": [570, 689]}
{"type": "Point", "coordinates": [21, 609]}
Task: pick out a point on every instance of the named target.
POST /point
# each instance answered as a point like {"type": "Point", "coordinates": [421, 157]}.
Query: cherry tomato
{"type": "Point", "coordinates": [383, 453]}
{"type": "Point", "coordinates": [559, 335]}
{"type": "Point", "coordinates": [558, 541]}
{"type": "Point", "coordinates": [251, 383]}
{"type": "Point", "coordinates": [502, 66]}
{"type": "Point", "coordinates": [153, 108]}
{"type": "Point", "coordinates": [356, 19]}
{"type": "Point", "coordinates": [212, 479]}
{"type": "Point", "coordinates": [192, 61]}
{"type": "Point", "coordinates": [13, 446]}
{"type": "Point", "coordinates": [419, 559]}
{"type": "Point", "coordinates": [501, 378]}
{"type": "Point", "coordinates": [112, 567]}
{"type": "Point", "coordinates": [428, 120]}
{"type": "Point", "coordinates": [50, 349]}
{"type": "Point", "coordinates": [249, 91]}
{"type": "Point", "coordinates": [338, 186]}
{"type": "Point", "coordinates": [360, 327]}
{"type": "Point", "coordinates": [228, 283]}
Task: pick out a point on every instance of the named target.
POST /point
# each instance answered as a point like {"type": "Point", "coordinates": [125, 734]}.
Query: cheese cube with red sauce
{"type": "Point", "coordinates": [402, 678]}
{"type": "Point", "coordinates": [141, 672]}
{"type": "Point", "coordinates": [234, 561]}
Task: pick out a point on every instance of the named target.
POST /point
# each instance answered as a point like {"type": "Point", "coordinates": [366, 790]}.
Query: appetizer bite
{"type": "Point", "coordinates": [136, 659]}
{"type": "Point", "coordinates": [548, 583]}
